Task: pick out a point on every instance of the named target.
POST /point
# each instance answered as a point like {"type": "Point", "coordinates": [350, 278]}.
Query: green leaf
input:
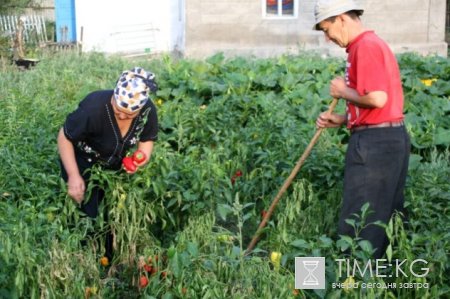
{"type": "Point", "coordinates": [414, 161]}
{"type": "Point", "coordinates": [223, 210]}
{"type": "Point", "coordinates": [345, 242]}
{"type": "Point", "coordinates": [350, 222]}
{"type": "Point", "coordinates": [389, 252]}
{"type": "Point", "coordinates": [171, 252]}
{"type": "Point", "coordinates": [250, 204]}
{"type": "Point", "coordinates": [300, 243]}
{"type": "Point", "coordinates": [365, 209]}
{"type": "Point", "coordinates": [366, 246]}
{"type": "Point", "coordinates": [327, 242]}
{"type": "Point", "coordinates": [442, 136]}
{"type": "Point", "coordinates": [168, 295]}
{"type": "Point", "coordinates": [175, 265]}
{"type": "Point", "coordinates": [192, 249]}
{"type": "Point", "coordinates": [216, 59]}
{"type": "Point", "coordinates": [246, 217]}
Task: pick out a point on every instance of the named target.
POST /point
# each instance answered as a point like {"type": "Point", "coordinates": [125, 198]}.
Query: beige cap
{"type": "Point", "coordinates": [325, 9]}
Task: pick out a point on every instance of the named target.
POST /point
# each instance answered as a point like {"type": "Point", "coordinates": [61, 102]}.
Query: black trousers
{"type": "Point", "coordinates": [90, 206]}
{"type": "Point", "coordinates": [376, 165]}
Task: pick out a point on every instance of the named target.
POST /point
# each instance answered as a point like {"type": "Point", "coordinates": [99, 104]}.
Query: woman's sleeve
{"type": "Point", "coordinates": [76, 125]}
{"type": "Point", "coordinates": [150, 132]}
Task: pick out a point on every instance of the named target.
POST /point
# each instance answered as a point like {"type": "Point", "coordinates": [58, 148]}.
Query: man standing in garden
{"type": "Point", "coordinates": [376, 161]}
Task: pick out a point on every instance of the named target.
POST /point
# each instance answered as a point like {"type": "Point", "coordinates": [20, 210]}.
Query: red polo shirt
{"type": "Point", "coordinates": [371, 66]}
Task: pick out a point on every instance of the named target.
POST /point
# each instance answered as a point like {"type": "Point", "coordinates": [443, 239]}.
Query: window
{"type": "Point", "coordinates": [280, 9]}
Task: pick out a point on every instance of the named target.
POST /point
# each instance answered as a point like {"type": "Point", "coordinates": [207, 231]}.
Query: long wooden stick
{"type": "Point", "coordinates": [287, 182]}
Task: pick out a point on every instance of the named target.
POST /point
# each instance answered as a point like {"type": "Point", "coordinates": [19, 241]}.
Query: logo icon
{"type": "Point", "coordinates": [310, 273]}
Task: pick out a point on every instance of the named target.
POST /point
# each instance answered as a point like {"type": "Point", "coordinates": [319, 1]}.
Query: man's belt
{"type": "Point", "coordinates": [388, 124]}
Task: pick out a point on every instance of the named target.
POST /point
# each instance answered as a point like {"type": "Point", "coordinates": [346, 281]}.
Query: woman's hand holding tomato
{"type": "Point", "coordinates": [128, 165]}
{"type": "Point", "coordinates": [139, 157]}
{"type": "Point", "coordinates": [132, 163]}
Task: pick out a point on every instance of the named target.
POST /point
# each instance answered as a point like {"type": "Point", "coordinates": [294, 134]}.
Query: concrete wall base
{"type": "Point", "coordinates": [326, 50]}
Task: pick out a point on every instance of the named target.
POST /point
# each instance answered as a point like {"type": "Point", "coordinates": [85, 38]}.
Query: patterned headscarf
{"type": "Point", "coordinates": [133, 88]}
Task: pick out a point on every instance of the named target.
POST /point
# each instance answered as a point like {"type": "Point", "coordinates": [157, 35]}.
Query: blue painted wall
{"type": "Point", "coordinates": [66, 30]}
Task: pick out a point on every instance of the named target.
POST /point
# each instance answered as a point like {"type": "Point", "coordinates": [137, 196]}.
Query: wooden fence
{"type": "Point", "coordinates": [34, 31]}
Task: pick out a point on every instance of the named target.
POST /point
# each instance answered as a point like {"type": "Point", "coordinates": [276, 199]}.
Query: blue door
{"type": "Point", "coordinates": [66, 30]}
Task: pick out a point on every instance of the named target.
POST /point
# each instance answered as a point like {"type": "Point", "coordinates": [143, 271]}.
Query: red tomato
{"type": "Point", "coordinates": [104, 261]}
{"type": "Point", "coordinates": [148, 268]}
{"type": "Point", "coordinates": [143, 281]}
{"type": "Point", "coordinates": [139, 156]}
{"type": "Point", "coordinates": [129, 164]}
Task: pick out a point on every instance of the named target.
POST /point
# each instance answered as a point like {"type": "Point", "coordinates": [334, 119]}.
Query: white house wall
{"type": "Point", "coordinates": [240, 27]}
{"type": "Point", "coordinates": [133, 26]}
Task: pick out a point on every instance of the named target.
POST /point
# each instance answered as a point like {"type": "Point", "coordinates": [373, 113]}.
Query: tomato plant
{"type": "Point", "coordinates": [231, 130]}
